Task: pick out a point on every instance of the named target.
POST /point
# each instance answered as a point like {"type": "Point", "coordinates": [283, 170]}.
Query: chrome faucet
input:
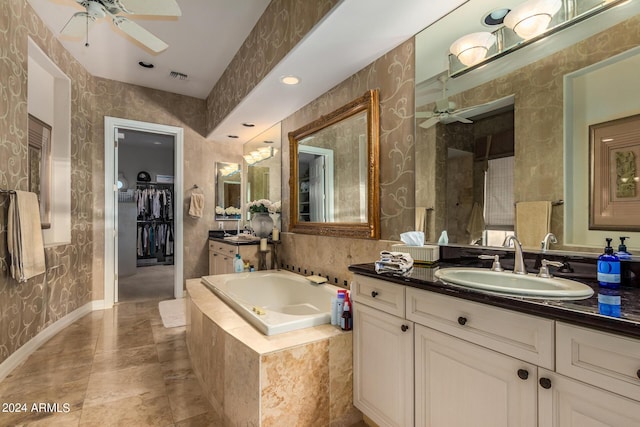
{"type": "Point", "coordinates": [549, 238]}
{"type": "Point", "coordinates": [518, 263]}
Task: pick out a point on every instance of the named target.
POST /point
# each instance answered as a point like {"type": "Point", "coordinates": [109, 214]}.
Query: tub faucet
{"type": "Point", "coordinates": [519, 266]}
{"type": "Point", "coordinates": [549, 238]}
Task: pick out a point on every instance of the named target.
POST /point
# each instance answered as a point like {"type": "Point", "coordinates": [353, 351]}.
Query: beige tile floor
{"type": "Point", "coordinates": [117, 367]}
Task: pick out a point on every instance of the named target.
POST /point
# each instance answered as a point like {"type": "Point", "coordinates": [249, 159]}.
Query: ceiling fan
{"type": "Point", "coordinates": [444, 112]}
{"type": "Point", "coordinates": [80, 22]}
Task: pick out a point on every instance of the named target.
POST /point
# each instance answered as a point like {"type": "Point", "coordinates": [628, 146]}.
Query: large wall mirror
{"type": "Point", "coordinates": [334, 172]}
{"type": "Point", "coordinates": [510, 131]}
{"type": "Point", "coordinates": [262, 168]}
{"type": "Point", "coordinates": [228, 191]}
{"type": "Point", "coordinates": [40, 166]}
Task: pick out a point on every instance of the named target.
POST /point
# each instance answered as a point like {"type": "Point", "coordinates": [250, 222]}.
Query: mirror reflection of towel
{"type": "Point", "coordinates": [196, 205]}
{"type": "Point", "coordinates": [475, 226]}
{"type": "Point", "coordinates": [533, 222]}
{"type": "Point", "coordinates": [24, 236]}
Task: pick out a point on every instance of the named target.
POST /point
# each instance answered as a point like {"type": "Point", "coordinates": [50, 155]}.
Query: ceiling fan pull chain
{"type": "Point", "coordinates": [86, 44]}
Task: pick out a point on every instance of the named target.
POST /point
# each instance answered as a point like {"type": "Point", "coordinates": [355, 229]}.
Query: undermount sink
{"type": "Point", "coordinates": [520, 285]}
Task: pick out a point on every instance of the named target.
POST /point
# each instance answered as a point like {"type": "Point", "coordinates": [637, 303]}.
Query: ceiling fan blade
{"type": "Point", "coordinates": [150, 7]}
{"type": "Point", "coordinates": [429, 122]}
{"type": "Point", "coordinates": [460, 119]}
{"type": "Point", "coordinates": [77, 25]}
{"type": "Point", "coordinates": [423, 114]}
{"type": "Point", "coordinates": [140, 34]}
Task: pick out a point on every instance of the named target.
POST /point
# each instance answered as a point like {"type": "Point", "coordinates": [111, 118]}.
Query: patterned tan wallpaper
{"type": "Point", "coordinates": [283, 24]}
{"type": "Point", "coordinates": [393, 74]}
{"type": "Point", "coordinates": [27, 308]}
{"type": "Point", "coordinates": [75, 272]}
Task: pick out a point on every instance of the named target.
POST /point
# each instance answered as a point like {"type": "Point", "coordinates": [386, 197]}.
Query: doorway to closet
{"type": "Point", "coordinates": [143, 214]}
{"type": "Point", "coordinates": [146, 233]}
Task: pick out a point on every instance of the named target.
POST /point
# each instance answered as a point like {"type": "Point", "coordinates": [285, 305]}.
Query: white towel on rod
{"type": "Point", "coordinates": [196, 206]}
{"type": "Point", "coordinates": [24, 236]}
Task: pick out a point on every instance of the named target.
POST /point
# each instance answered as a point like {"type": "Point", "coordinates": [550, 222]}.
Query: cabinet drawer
{"type": "Point", "coordinates": [212, 245]}
{"type": "Point", "coordinates": [379, 294]}
{"type": "Point", "coordinates": [519, 335]}
{"type": "Point", "coordinates": [608, 361]}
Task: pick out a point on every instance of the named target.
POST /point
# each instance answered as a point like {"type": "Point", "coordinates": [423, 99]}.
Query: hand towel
{"type": "Point", "coordinates": [196, 205]}
{"type": "Point", "coordinates": [24, 236]}
{"type": "Point", "coordinates": [475, 227]}
{"type": "Point", "coordinates": [533, 222]}
{"type": "Point", "coordinates": [421, 218]}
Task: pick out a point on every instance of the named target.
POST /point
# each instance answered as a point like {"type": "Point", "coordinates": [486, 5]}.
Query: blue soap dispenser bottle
{"type": "Point", "coordinates": [609, 281]}
{"type": "Point", "coordinates": [624, 256]}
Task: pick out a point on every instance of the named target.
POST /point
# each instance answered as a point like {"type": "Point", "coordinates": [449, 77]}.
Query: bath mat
{"type": "Point", "coordinates": [173, 313]}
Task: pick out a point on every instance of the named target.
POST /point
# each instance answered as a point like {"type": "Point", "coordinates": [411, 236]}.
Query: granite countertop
{"type": "Point", "coordinates": [580, 312]}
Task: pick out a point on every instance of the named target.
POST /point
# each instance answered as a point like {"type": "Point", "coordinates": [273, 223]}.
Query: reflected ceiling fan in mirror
{"type": "Point", "coordinates": [78, 25]}
{"type": "Point", "coordinates": [444, 112]}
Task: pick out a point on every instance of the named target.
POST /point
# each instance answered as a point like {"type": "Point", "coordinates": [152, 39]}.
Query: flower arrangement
{"type": "Point", "coordinates": [258, 206]}
{"type": "Point", "coordinates": [275, 207]}
{"type": "Point", "coordinates": [230, 211]}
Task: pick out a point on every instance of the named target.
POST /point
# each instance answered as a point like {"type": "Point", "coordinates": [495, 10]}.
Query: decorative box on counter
{"type": "Point", "coordinates": [426, 254]}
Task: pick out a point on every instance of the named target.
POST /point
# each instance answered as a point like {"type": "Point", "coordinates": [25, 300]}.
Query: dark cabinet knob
{"type": "Point", "coordinates": [523, 374]}
{"type": "Point", "coordinates": [462, 320]}
{"type": "Point", "coordinates": [545, 383]}
{"type": "Point", "coordinates": [404, 328]}
{"type": "Point", "coordinates": [374, 294]}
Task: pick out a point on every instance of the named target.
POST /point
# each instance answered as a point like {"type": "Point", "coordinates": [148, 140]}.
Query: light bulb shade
{"type": "Point", "coordinates": [472, 48]}
{"type": "Point", "coordinates": [532, 17]}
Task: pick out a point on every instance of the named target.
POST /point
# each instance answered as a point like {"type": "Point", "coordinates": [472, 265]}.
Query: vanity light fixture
{"type": "Point", "coordinates": [524, 25]}
{"type": "Point", "coordinates": [472, 48]}
{"type": "Point", "coordinates": [531, 18]}
{"type": "Point", "coordinates": [230, 169]}
{"type": "Point", "coordinates": [259, 155]}
{"type": "Point", "coordinates": [290, 80]}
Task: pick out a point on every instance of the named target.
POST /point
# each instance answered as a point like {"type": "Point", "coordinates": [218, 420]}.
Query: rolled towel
{"type": "Point", "coordinates": [196, 206]}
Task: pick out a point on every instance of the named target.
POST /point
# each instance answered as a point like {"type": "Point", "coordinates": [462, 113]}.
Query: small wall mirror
{"type": "Point", "coordinates": [264, 168]}
{"type": "Point", "coordinates": [334, 172]}
{"type": "Point", "coordinates": [228, 191]}
{"type": "Point", "coordinates": [40, 166]}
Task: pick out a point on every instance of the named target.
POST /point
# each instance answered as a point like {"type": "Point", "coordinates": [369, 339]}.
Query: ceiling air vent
{"type": "Point", "coordinates": [177, 75]}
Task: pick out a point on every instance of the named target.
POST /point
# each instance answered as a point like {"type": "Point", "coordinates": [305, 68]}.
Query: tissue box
{"type": "Point", "coordinates": [427, 254]}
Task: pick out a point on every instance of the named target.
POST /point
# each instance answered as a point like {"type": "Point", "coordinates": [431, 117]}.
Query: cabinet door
{"type": "Point", "coordinates": [383, 366]}
{"type": "Point", "coordinates": [566, 402]}
{"type": "Point", "coordinates": [212, 262]}
{"type": "Point", "coordinates": [460, 384]}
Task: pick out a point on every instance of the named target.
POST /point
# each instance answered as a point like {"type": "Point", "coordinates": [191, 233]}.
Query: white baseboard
{"type": "Point", "coordinates": [34, 343]}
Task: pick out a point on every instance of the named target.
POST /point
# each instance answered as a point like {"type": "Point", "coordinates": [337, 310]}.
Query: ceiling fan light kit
{"type": "Point", "coordinates": [78, 25]}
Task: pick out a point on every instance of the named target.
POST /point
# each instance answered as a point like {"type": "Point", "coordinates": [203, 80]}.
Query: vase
{"type": "Point", "coordinates": [262, 224]}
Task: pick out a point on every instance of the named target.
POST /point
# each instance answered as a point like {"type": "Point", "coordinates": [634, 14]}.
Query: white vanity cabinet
{"type": "Point", "coordinates": [458, 383]}
{"type": "Point", "coordinates": [475, 364]}
{"type": "Point", "coordinates": [479, 365]}
{"type": "Point", "coordinates": [597, 380]}
{"type": "Point", "coordinates": [221, 256]}
{"type": "Point", "coordinates": [382, 353]}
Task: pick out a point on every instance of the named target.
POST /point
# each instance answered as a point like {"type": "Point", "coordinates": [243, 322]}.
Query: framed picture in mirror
{"type": "Point", "coordinates": [615, 175]}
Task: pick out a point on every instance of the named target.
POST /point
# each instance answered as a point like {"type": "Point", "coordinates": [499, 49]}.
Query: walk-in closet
{"type": "Point", "coordinates": [146, 208]}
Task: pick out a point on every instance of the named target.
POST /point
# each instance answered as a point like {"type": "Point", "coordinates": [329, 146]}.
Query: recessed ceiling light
{"type": "Point", "coordinates": [232, 136]}
{"type": "Point", "coordinates": [495, 17]}
{"type": "Point", "coordinates": [145, 64]}
{"type": "Point", "coordinates": [248, 125]}
{"type": "Point", "coordinates": [290, 80]}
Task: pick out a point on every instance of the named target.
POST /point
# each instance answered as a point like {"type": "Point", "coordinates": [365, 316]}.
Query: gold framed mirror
{"type": "Point", "coordinates": [334, 172]}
